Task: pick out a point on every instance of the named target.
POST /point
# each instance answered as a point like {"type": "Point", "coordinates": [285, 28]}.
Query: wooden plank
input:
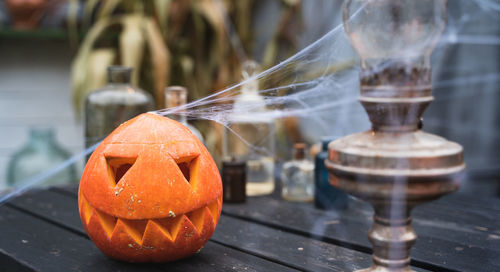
{"type": "Point", "coordinates": [472, 227]}
{"type": "Point", "coordinates": [470, 230]}
{"type": "Point", "coordinates": [437, 248]}
{"type": "Point", "coordinates": [471, 202]}
{"type": "Point", "coordinates": [70, 190]}
{"type": "Point", "coordinates": [9, 263]}
{"type": "Point", "coordinates": [282, 247]}
{"type": "Point", "coordinates": [301, 252]}
{"type": "Point", "coordinates": [57, 238]}
{"type": "Point", "coordinates": [45, 247]}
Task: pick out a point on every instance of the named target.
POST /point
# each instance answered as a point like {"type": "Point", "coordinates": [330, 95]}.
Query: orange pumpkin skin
{"type": "Point", "coordinates": [150, 192]}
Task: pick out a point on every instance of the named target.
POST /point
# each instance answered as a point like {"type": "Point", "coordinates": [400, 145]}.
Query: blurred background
{"type": "Point", "coordinates": [53, 53]}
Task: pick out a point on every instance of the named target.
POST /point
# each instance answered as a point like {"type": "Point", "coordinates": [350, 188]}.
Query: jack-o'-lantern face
{"type": "Point", "coordinates": [150, 192]}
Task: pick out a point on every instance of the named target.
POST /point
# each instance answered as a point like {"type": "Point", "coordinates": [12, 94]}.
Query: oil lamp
{"type": "Point", "coordinates": [395, 165]}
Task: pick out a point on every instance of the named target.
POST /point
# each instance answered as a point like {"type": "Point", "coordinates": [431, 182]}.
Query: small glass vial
{"type": "Point", "coordinates": [298, 176]}
{"type": "Point", "coordinates": [40, 154]}
{"type": "Point", "coordinates": [176, 96]}
{"type": "Point", "coordinates": [250, 136]}
{"type": "Point", "coordinates": [115, 103]}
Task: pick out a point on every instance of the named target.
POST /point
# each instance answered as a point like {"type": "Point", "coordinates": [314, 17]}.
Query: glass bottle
{"type": "Point", "coordinates": [176, 96]}
{"type": "Point", "coordinates": [40, 154]}
{"type": "Point", "coordinates": [326, 196]}
{"type": "Point", "coordinates": [250, 136]}
{"type": "Point", "coordinates": [298, 176]}
{"type": "Point", "coordinates": [115, 103]}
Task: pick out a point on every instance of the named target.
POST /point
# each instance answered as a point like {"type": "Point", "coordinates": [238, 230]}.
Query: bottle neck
{"type": "Point", "coordinates": [175, 97]}
{"type": "Point", "coordinates": [179, 118]}
{"type": "Point", "coordinates": [119, 75]}
{"type": "Point", "coordinates": [299, 152]}
{"type": "Point", "coordinates": [121, 87]}
{"type": "Point", "coordinates": [41, 139]}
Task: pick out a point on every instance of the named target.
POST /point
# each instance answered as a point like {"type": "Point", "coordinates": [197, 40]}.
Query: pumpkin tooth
{"type": "Point", "coordinates": [187, 230]}
{"type": "Point", "coordinates": [107, 222]}
{"type": "Point", "coordinates": [157, 237]}
{"type": "Point", "coordinates": [85, 208]}
{"type": "Point", "coordinates": [171, 225]}
{"type": "Point", "coordinates": [209, 217]}
{"type": "Point", "coordinates": [123, 234]}
{"type": "Point", "coordinates": [135, 228]}
{"type": "Point", "coordinates": [214, 209]}
{"type": "Point", "coordinates": [154, 226]}
{"type": "Point", "coordinates": [196, 218]}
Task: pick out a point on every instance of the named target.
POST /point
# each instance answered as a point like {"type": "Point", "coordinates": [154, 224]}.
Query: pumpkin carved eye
{"type": "Point", "coordinates": [184, 166]}
{"type": "Point", "coordinates": [118, 167]}
{"type": "Point", "coordinates": [188, 166]}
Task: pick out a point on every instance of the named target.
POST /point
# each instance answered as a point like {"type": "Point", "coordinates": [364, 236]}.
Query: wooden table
{"type": "Point", "coordinates": [41, 231]}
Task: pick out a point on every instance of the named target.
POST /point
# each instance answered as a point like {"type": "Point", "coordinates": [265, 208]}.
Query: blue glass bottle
{"type": "Point", "coordinates": [325, 195]}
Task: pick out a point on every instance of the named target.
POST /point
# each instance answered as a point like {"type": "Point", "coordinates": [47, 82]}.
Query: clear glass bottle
{"type": "Point", "coordinates": [40, 154]}
{"type": "Point", "coordinates": [250, 136]}
{"type": "Point", "coordinates": [176, 96]}
{"type": "Point", "coordinates": [298, 176]}
{"type": "Point", "coordinates": [115, 103]}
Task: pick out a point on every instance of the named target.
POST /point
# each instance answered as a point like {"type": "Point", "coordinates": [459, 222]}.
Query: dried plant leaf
{"type": "Point", "coordinates": [179, 11]}
{"type": "Point", "coordinates": [134, 6]}
{"type": "Point", "coordinates": [107, 8]}
{"type": "Point", "coordinates": [244, 20]}
{"type": "Point", "coordinates": [160, 58]}
{"type": "Point", "coordinates": [291, 2]}
{"type": "Point", "coordinates": [132, 44]}
{"type": "Point", "coordinates": [99, 60]}
{"type": "Point", "coordinates": [210, 11]}
{"type": "Point", "coordinates": [283, 34]}
{"type": "Point", "coordinates": [79, 66]}
{"type": "Point", "coordinates": [216, 58]}
{"type": "Point", "coordinates": [187, 66]}
{"type": "Point", "coordinates": [72, 20]}
{"type": "Point", "coordinates": [270, 53]}
{"type": "Point", "coordinates": [161, 9]}
{"type": "Point", "coordinates": [87, 13]}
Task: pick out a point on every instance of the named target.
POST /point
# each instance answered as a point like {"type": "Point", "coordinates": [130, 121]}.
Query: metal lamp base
{"type": "Point", "coordinates": [394, 171]}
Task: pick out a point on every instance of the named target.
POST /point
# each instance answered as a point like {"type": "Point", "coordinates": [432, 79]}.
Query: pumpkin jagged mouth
{"type": "Point", "coordinates": [195, 221]}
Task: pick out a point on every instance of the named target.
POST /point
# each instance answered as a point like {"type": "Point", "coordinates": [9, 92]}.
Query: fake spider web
{"type": "Point", "coordinates": [320, 84]}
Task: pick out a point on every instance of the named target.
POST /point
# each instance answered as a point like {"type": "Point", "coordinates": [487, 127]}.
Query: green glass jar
{"type": "Point", "coordinates": [40, 154]}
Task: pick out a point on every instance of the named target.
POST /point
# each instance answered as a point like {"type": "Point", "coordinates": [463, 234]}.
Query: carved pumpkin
{"type": "Point", "coordinates": [150, 192]}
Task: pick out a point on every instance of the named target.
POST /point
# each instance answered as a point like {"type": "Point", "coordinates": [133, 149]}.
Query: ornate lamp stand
{"type": "Point", "coordinates": [395, 165]}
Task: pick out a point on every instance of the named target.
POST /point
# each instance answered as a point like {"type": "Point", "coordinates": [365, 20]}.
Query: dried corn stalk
{"type": "Point", "coordinates": [181, 42]}
{"type": "Point", "coordinates": [98, 62]}
{"type": "Point", "coordinates": [132, 44]}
